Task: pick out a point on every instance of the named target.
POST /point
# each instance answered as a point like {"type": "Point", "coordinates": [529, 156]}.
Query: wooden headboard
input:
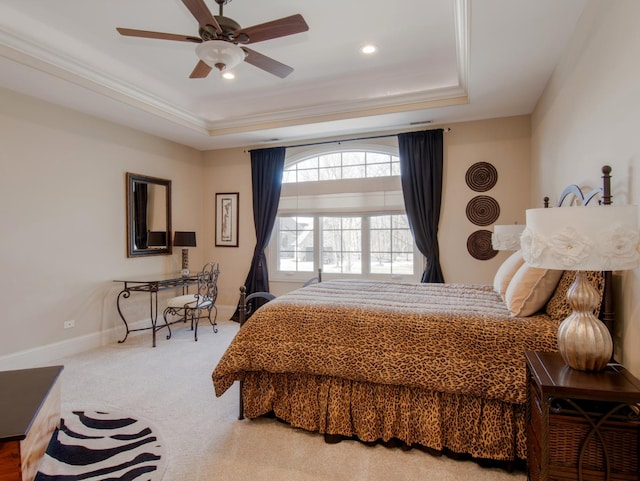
{"type": "Point", "coordinates": [576, 196]}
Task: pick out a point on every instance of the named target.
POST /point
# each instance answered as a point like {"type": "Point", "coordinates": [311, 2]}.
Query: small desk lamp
{"type": "Point", "coordinates": [584, 238]}
{"type": "Point", "coordinates": [157, 238]}
{"type": "Point", "coordinates": [506, 237]}
{"type": "Point", "coordinates": [184, 240]}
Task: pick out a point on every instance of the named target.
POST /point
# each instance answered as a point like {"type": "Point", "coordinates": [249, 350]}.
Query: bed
{"type": "Point", "coordinates": [439, 366]}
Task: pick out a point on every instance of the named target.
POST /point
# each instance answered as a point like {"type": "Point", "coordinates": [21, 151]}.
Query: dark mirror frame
{"type": "Point", "coordinates": [132, 250]}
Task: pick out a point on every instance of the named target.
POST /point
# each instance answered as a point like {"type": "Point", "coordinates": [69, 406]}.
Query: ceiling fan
{"type": "Point", "coordinates": [222, 41]}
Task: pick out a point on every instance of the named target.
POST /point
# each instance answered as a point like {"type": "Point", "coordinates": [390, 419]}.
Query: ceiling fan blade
{"type": "Point", "coordinates": [201, 70]}
{"type": "Point", "coordinates": [267, 63]}
{"type": "Point", "coordinates": [202, 14]}
{"type": "Point", "coordinates": [129, 32]}
{"type": "Point", "coordinates": [274, 29]}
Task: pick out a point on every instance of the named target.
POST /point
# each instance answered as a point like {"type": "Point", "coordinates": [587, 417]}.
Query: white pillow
{"type": "Point", "coordinates": [530, 289]}
{"type": "Point", "coordinates": [506, 271]}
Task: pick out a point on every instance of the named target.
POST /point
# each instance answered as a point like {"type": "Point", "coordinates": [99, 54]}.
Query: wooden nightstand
{"type": "Point", "coordinates": [581, 425]}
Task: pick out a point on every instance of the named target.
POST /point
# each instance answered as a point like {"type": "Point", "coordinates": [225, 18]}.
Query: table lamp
{"type": "Point", "coordinates": [584, 238]}
{"type": "Point", "coordinates": [157, 239]}
{"type": "Point", "coordinates": [184, 239]}
{"type": "Point", "coordinates": [506, 237]}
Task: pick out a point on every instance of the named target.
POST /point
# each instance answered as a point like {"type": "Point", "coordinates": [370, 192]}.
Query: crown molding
{"type": "Point", "coordinates": [45, 59]}
{"type": "Point", "coordinates": [65, 67]}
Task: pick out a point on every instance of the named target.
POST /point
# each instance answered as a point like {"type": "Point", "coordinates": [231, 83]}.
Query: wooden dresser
{"type": "Point", "coordinates": [29, 414]}
{"type": "Point", "coordinates": [581, 425]}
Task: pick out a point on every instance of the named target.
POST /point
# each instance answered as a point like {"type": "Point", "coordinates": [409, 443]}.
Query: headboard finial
{"type": "Point", "coordinates": [606, 184]}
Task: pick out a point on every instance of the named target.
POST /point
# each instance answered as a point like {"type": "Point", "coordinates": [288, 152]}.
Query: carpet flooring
{"type": "Point", "coordinates": [170, 386]}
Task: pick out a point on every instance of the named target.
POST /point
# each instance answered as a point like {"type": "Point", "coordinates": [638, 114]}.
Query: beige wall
{"type": "Point", "coordinates": [589, 116]}
{"type": "Point", "coordinates": [503, 142]}
{"type": "Point", "coordinates": [62, 193]}
{"type": "Point", "coordinates": [62, 199]}
{"type": "Point", "coordinates": [229, 171]}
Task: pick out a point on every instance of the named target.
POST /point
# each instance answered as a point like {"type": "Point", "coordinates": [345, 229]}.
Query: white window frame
{"type": "Point", "coordinates": [372, 183]}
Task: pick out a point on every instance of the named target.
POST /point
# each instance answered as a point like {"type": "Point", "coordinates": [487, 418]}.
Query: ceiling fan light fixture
{"type": "Point", "coordinates": [220, 54]}
{"type": "Point", "coordinates": [368, 49]}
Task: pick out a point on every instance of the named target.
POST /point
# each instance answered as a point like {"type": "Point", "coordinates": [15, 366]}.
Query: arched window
{"type": "Point", "coordinates": [342, 211]}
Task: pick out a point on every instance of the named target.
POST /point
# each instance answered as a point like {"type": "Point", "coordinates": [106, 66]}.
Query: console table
{"type": "Point", "coordinates": [581, 425]}
{"type": "Point", "coordinates": [152, 285]}
{"type": "Point", "coordinates": [29, 414]}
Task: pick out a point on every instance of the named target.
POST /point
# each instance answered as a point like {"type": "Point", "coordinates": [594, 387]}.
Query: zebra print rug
{"type": "Point", "coordinates": [103, 446]}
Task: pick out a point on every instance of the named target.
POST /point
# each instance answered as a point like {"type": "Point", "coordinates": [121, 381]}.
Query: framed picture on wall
{"type": "Point", "coordinates": [227, 219]}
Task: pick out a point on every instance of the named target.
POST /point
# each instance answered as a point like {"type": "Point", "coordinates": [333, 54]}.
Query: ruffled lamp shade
{"type": "Point", "coordinates": [585, 238]}
{"type": "Point", "coordinates": [506, 237]}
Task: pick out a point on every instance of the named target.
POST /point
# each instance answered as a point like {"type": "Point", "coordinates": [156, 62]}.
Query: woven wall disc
{"type": "Point", "coordinates": [483, 210]}
{"type": "Point", "coordinates": [481, 176]}
{"type": "Point", "coordinates": [479, 245]}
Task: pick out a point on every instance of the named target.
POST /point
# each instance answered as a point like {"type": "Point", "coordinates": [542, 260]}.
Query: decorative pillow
{"type": "Point", "coordinates": [530, 289]}
{"type": "Point", "coordinates": [558, 306]}
{"type": "Point", "coordinates": [506, 271]}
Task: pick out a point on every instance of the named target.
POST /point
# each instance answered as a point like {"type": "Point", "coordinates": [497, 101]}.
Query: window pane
{"type": "Point", "coordinates": [289, 176]}
{"type": "Point", "coordinates": [352, 223]}
{"type": "Point", "coordinates": [376, 158]}
{"type": "Point", "coordinates": [330, 160]}
{"type": "Point", "coordinates": [311, 163]}
{"type": "Point", "coordinates": [380, 240]}
{"type": "Point", "coordinates": [351, 241]}
{"type": "Point", "coordinates": [328, 255]}
{"type": "Point", "coordinates": [353, 158]}
{"type": "Point", "coordinates": [380, 264]}
{"type": "Point", "coordinates": [400, 221]}
{"type": "Point", "coordinates": [378, 170]}
{"type": "Point", "coordinates": [345, 263]}
{"type": "Point", "coordinates": [342, 244]}
{"type": "Point", "coordinates": [351, 263]}
{"type": "Point", "coordinates": [403, 264]}
{"type": "Point", "coordinates": [330, 223]}
{"type": "Point", "coordinates": [402, 241]}
{"type": "Point", "coordinates": [338, 248]}
{"type": "Point", "coordinates": [332, 173]}
{"type": "Point", "coordinates": [391, 245]}
{"type": "Point", "coordinates": [307, 175]}
{"type": "Point", "coordinates": [380, 222]}
{"type": "Point", "coordinates": [295, 243]}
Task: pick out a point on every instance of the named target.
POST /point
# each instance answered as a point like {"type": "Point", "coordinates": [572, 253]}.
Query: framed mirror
{"type": "Point", "coordinates": [148, 215]}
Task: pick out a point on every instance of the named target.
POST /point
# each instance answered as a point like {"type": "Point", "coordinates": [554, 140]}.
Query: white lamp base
{"type": "Point", "coordinates": [584, 341]}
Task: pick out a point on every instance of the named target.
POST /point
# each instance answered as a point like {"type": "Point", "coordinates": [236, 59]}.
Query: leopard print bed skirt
{"type": "Point", "coordinates": [482, 428]}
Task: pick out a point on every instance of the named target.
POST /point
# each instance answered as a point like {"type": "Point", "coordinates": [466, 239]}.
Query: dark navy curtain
{"type": "Point", "coordinates": [421, 165]}
{"type": "Point", "coordinates": [267, 167]}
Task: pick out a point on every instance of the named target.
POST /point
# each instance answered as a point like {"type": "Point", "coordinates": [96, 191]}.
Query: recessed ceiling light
{"type": "Point", "coordinates": [368, 49]}
{"type": "Point", "coordinates": [228, 75]}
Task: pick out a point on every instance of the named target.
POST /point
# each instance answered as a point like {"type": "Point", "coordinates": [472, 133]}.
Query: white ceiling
{"type": "Point", "coordinates": [438, 60]}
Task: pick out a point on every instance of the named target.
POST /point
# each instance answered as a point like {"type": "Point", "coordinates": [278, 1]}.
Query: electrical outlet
{"type": "Point", "coordinates": [69, 324]}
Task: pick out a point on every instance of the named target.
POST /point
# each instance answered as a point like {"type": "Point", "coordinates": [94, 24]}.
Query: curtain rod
{"type": "Point", "coordinates": [446, 129]}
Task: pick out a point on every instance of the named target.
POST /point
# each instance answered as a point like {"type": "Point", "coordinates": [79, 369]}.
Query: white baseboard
{"type": "Point", "coordinates": [49, 353]}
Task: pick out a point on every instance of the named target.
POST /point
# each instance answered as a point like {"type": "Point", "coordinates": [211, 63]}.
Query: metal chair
{"type": "Point", "coordinates": [199, 305]}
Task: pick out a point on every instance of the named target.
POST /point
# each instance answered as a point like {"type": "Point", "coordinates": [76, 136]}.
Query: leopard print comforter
{"type": "Point", "coordinates": [448, 338]}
